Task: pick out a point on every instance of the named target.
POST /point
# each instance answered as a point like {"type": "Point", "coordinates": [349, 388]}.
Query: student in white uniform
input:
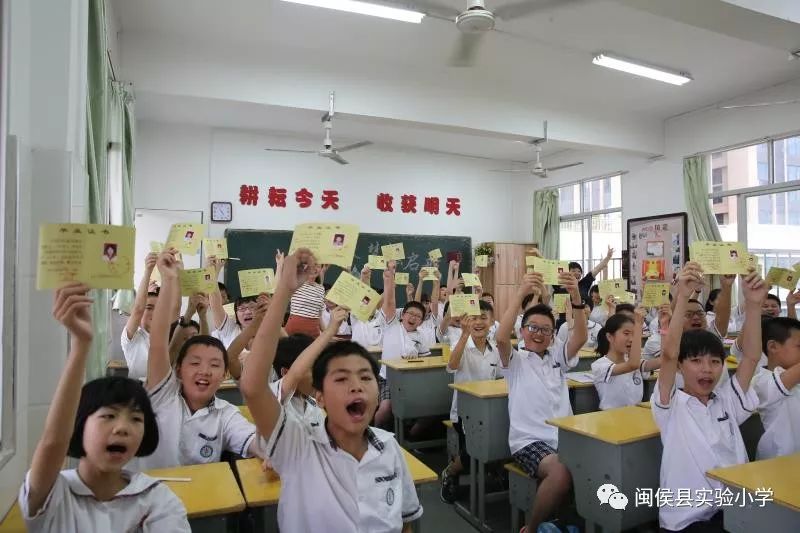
{"type": "Point", "coordinates": [103, 425]}
{"type": "Point", "coordinates": [489, 299]}
{"type": "Point", "coordinates": [592, 329]}
{"type": "Point", "coordinates": [474, 357]}
{"type": "Point", "coordinates": [239, 349]}
{"type": "Point", "coordinates": [345, 330]}
{"type": "Point", "coordinates": [194, 425]}
{"type": "Point", "coordinates": [778, 388]}
{"type": "Point", "coordinates": [135, 338]}
{"type": "Point", "coordinates": [700, 425]}
{"type": "Point", "coordinates": [537, 390]}
{"type": "Point", "coordinates": [401, 338]}
{"type": "Point", "coordinates": [415, 293]}
{"type": "Point", "coordinates": [620, 373]}
{"type": "Point", "coordinates": [355, 476]}
{"type": "Point", "coordinates": [448, 330]}
{"type": "Point", "coordinates": [529, 301]}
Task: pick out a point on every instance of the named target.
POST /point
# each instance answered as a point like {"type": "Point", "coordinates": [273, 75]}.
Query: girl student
{"type": "Point", "coordinates": [307, 303]}
{"type": "Point", "coordinates": [103, 425]}
{"type": "Point", "coordinates": [619, 373]}
{"type": "Point", "coordinates": [195, 426]}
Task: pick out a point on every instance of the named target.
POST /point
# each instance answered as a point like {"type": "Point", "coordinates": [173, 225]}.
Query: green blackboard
{"type": "Point", "coordinates": [256, 249]}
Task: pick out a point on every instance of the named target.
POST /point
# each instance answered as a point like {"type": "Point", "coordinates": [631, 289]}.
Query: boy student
{"type": "Point", "coordinates": [585, 282]}
{"type": "Point", "coordinates": [700, 424]}
{"type": "Point", "coordinates": [224, 328]}
{"type": "Point", "coordinates": [401, 337]}
{"type": "Point", "coordinates": [474, 357]}
{"type": "Point", "coordinates": [537, 390]}
{"type": "Point", "coordinates": [778, 388]}
{"type": "Point", "coordinates": [355, 475]}
{"type": "Point", "coordinates": [135, 339]}
{"type": "Point", "coordinates": [592, 329]}
{"type": "Point", "coordinates": [428, 326]}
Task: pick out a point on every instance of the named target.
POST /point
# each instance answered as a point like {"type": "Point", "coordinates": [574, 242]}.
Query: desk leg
{"type": "Point", "coordinates": [473, 484]}
{"type": "Point", "coordinates": [482, 492]}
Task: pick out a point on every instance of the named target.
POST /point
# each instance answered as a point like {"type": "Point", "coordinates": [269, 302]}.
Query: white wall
{"type": "Point", "coordinates": [187, 167]}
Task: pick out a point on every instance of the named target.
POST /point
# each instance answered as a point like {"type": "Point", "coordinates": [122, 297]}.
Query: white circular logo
{"type": "Point", "coordinates": [206, 451]}
{"type": "Point", "coordinates": [390, 497]}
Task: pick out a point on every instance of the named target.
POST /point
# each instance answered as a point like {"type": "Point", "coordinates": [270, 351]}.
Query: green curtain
{"type": "Point", "coordinates": [546, 225]}
{"type": "Point", "coordinates": [97, 90]}
{"type": "Point", "coordinates": [702, 222]}
{"type": "Point", "coordinates": [121, 116]}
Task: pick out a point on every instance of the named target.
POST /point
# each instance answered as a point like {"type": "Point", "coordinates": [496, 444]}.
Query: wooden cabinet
{"type": "Point", "coordinates": [501, 277]}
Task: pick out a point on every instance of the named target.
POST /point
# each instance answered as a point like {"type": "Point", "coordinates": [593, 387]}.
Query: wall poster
{"type": "Point", "coordinates": [657, 247]}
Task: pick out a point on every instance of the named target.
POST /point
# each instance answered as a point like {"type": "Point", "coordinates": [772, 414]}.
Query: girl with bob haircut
{"type": "Point", "coordinates": [104, 424]}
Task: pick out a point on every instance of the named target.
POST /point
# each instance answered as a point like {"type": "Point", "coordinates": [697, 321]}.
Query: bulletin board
{"type": "Point", "coordinates": [657, 247]}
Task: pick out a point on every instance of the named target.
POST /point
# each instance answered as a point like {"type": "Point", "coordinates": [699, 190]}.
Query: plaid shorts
{"type": "Point", "coordinates": [531, 455]}
{"type": "Point", "coordinates": [384, 393]}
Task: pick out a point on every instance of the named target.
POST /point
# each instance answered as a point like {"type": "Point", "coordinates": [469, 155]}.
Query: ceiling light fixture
{"type": "Point", "coordinates": [365, 8]}
{"type": "Point", "coordinates": [631, 66]}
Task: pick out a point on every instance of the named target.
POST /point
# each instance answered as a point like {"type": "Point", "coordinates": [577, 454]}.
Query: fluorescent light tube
{"type": "Point", "coordinates": [640, 69]}
{"type": "Point", "coordinates": [365, 8]}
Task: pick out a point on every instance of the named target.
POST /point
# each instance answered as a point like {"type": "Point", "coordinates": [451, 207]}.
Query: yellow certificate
{"type": "Point", "coordinates": [185, 237]}
{"type": "Point", "coordinates": [435, 254]}
{"type": "Point", "coordinates": [359, 297]}
{"type": "Point", "coordinates": [720, 257]}
{"type": "Point", "coordinates": [615, 287]}
{"type": "Point", "coordinates": [230, 310]}
{"type": "Point", "coordinates": [481, 260]}
{"type": "Point", "coordinates": [796, 266]}
{"type": "Point", "coordinates": [393, 252]}
{"type": "Point", "coordinates": [156, 247]}
{"type": "Point", "coordinates": [783, 277]}
{"type": "Point", "coordinates": [198, 280]}
{"type": "Point", "coordinates": [549, 268]}
{"type": "Point", "coordinates": [560, 302]}
{"type": "Point", "coordinates": [627, 298]}
{"type": "Point", "coordinates": [471, 280]}
{"type": "Point", "coordinates": [376, 262]}
{"type": "Point", "coordinates": [332, 244]}
{"type": "Point", "coordinates": [429, 274]}
{"type": "Point", "coordinates": [99, 255]}
{"type": "Point", "coordinates": [401, 278]}
{"type": "Point", "coordinates": [215, 247]}
{"type": "Point", "coordinates": [255, 281]}
{"type": "Point", "coordinates": [655, 294]}
{"type": "Point", "coordinates": [464, 304]}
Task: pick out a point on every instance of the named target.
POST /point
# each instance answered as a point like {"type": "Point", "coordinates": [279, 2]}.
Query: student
{"type": "Point", "coordinates": [585, 282]}
{"type": "Point", "coordinates": [428, 326]}
{"type": "Point", "coordinates": [135, 339]}
{"type": "Point", "coordinates": [620, 373]}
{"type": "Point", "coordinates": [307, 303]}
{"type": "Point", "coordinates": [792, 299]}
{"type": "Point", "coordinates": [489, 299]}
{"type": "Point", "coordinates": [594, 297]}
{"type": "Point", "coordinates": [700, 424]}
{"type": "Point", "coordinates": [528, 301]}
{"type": "Point", "coordinates": [592, 329]}
{"type": "Point", "coordinates": [771, 306]}
{"type": "Point", "coordinates": [778, 388]}
{"type": "Point", "coordinates": [102, 425]}
{"type": "Point", "coordinates": [185, 328]}
{"type": "Point", "coordinates": [474, 357]}
{"type": "Point", "coordinates": [195, 426]}
{"type": "Point", "coordinates": [239, 349]}
{"type": "Point", "coordinates": [537, 391]}
{"type": "Point", "coordinates": [449, 329]}
{"type": "Point", "coordinates": [401, 338]}
{"type": "Point", "coordinates": [355, 475]}
{"type": "Point", "coordinates": [345, 327]}
{"type": "Point", "coordinates": [223, 293]}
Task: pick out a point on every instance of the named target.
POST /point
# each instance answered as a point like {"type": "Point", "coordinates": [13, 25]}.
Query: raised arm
{"type": "Point", "coordinates": [452, 277]}
{"type": "Point", "coordinates": [530, 282]}
{"type": "Point", "coordinates": [389, 306]}
{"type": "Point", "coordinates": [435, 294]}
{"type": "Point", "coordinates": [580, 332]}
{"type": "Point", "coordinates": [178, 336]}
{"type": "Point", "coordinates": [218, 314]}
{"type": "Point", "coordinates": [71, 307]}
{"type": "Point", "coordinates": [603, 262]}
{"type": "Point", "coordinates": [141, 296]}
{"type": "Point", "coordinates": [454, 363]}
{"type": "Point", "coordinates": [158, 363]}
{"type": "Point", "coordinates": [243, 339]}
{"type": "Point", "coordinates": [723, 306]}
{"type": "Point", "coordinates": [296, 270]}
{"type": "Point", "coordinates": [754, 291]}
{"type": "Point", "coordinates": [792, 299]}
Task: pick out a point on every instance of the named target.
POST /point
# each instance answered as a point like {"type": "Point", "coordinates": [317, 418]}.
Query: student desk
{"type": "Point", "coordinates": [13, 522]}
{"type": "Point", "coordinates": [585, 360]}
{"type": "Point", "coordinates": [628, 444]}
{"type": "Point", "coordinates": [781, 475]}
{"type": "Point", "coordinates": [115, 367]}
{"type": "Point", "coordinates": [262, 490]}
{"type": "Point", "coordinates": [211, 496]}
{"type": "Point", "coordinates": [246, 413]}
{"type": "Point", "coordinates": [229, 391]}
{"type": "Point", "coordinates": [419, 389]}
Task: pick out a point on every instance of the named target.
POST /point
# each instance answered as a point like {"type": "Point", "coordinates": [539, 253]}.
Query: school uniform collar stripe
{"type": "Point", "coordinates": [282, 420]}
{"type": "Point", "coordinates": [246, 443]}
{"type": "Point", "coordinates": [738, 396]}
{"type": "Point", "coordinates": [137, 484]}
{"type": "Point", "coordinates": [406, 515]}
{"type": "Point", "coordinates": [161, 385]}
{"type": "Point", "coordinates": [607, 377]}
{"type": "Point", "coordinates": [780, 385]}
{"type": "Point", "coordinates": [373, 439]}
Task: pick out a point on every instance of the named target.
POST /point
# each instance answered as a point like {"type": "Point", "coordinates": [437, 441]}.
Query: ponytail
{"type": "Point", "coordinates": [602, 342]}
{"type": "Point", "coordinates": [613, 324]}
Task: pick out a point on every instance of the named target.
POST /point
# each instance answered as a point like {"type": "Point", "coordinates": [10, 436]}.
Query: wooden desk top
{"type": "Point", "coordinates": [732, 365]}
{"type": "Point", "coordinates": [489, 388]}
{"type": "Point", "coordinates": [228, 384]}
{"type": "Point", "coordinates": [375, 348]}
{"type": "Point", "coordinates": [420, 363]}
{"type": "Point", "coordinates": [588, 354]}
{"type": "Point", "coordinates": [264, 488]}
{"type": "Point", "coordinates": [771, 473]}
{"type": "Point", "coordinates": [615, 426]}
{"type": "Point", "coordinates": [116, 364]}
{"type": "Point", "coordinates": [246, 413]}
{"type": "Point", "coordinates": [13, 522]}
{"type": "Point", "coordinates": [646, 405]}
{"type": "Point", "coordinates": [212, 491]}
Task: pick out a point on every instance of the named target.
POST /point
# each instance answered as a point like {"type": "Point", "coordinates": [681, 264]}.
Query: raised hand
{"type": "Point", "coordinates": [727, 280]}
{"type": "Point", "coordinates": [610, 253]}
{"type": "Point", "coordinates": [202, 304]}
{"type": "Point", "coordinates": [71, 306]}
{"type": "Point", "coordinates": [338, 315]}
{"type": "Point", "coordinates": [216, 262]}
{"type": "Point", "coordinates": [640, 314]}
{"type": "Point", "coordinates": [793, 298]}
{"type": "Point", "coordinates": [690, 279]}
{"type": "Point", "coordinates": [168, 264]}
{"type": "Point", "coordinates": [568, 281]}
{"type": "Point", "coordinates": [262, 304]}
{"type": "Point", "coordinates": [366, 274]}
{"type": "Point", "coordinates": [530, 282]}
{"type": "Point", "coordinates": [279, 257]}
{"type": "Point", "coordinates": [150, 261]}
{"type": "Point", "coordinates": [754, 288]}
{"type": "Point", "coordinates": [297, 269]}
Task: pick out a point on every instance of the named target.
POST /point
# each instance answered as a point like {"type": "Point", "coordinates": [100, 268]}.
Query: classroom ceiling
{"type": "Point", "coordinates": [392, 79]}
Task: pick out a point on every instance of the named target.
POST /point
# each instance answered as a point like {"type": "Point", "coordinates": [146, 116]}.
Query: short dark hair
{"type": "Point", "coordinates": [239, 301]}
{"type": "Point", "coordinates": [526, 300]}
{"type": "Point", "coordinates": [289, 349]}
{"type": "Point", "coordinates": [221, 286]}
{"type": "Point", "coordinates": [204, 340]}
{"type": "Point", "coordinates": [174, 325]}
{"type": "Point", "coordinates": [712, 296]}
{"type": "Point", "coordinates": [613, 324]}
{"type": "Point", "coordinates": [771, 296]}
{"type": "Point", "coordinates": [625, 308]}
{"type": "Point", "coordinates": [777, 329]}
{"type": "Point", "coordinates": [154, 293]}
{"type": "Point", "coordinates": [700, 342]}
{"type": "Point", "coordinates": [487, 294]}
{"type": "Point", "coordinates": [573, 264]}
{"type": "Point", "coordinates": [109, 391]}
{"type": "Point", "coordinates": [539, 309]}
{"type": "Point", "coordinates": [413, 304]}
{"type": "Point", "coordinates": [339, 349]}
{"type": "Point", "coordinates": [327, 286]}
{"type": "Point", "coordinates": [485, 306]}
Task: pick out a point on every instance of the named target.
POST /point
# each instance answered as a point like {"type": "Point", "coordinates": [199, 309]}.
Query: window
{"type": "Point", "coordinates": [717, 182]}
{"type": "Point", "coordinates": [722, 218]}
{"type": "Point", "coordinates": [591, 221]}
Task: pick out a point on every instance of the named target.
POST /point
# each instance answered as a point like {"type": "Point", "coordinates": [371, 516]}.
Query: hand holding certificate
{"type": "Point", "coordinates": [435, 254]}
{"type": "Point", "coordinates": [464, 304]}
{"type": "Point", "coordinates": [401, 278]}
{"type": "Point", "coordinates": [216, 247]}
{"type": "Point", "coordinates": [332, 244]}
{"type": "Point", "coordinates": [429, 274]}
{"type": "Point", "coordinates": [198, 280]}
{"type": "Point", "coordinates": [356, 296]}
{"type": "Point", "coordinates": [376, 262]}
{"type": "Point", "coordinates": [655, 294]}
{"type": "Point", "coordinates": [255, 281]}
{"type": "Point", "coordinates": [549, 268]}
{"type": "Point", "coordinates": [393, 252]}
{"type": "Point", "coordinates": [783, 277]}
{"type": "Point", "coordinates": [615, 287]}
{"type": "Point", "coordinates": [185, 237]}
{"type": "Point", "coordinates": [720, 257]}
{"type": "Point", "coordinates": [471, 280]}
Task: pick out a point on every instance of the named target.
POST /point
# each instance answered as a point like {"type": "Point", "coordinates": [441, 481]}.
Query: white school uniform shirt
{"type": "Point", "coordinates": [779, 408]}
{"type": "Point", "coordinates": [697, 438]}
{"type": "Point", "coordinates": [428, 329]}
{"type": "Point", "coordinates": [737, 352]}
{"type": "Point", "coordinates": [375, 494]}
{"type": "Point", "coordinates": [537, 391]}
{"type": "Point", "coordinates": [518, 326]}
{"type": "Point", "coordinates": [227, 332]}
{"type": "Point", "coordinates": [144, 504]}
{"type": "Point", "coordinates": [298, 405]}
{"type": "Point", "coordinates": [591, 341]}
{"type": "Point", "coordinates": [620, 390]}
{"type": "Point", "coordinates": [450, 336]}
{"type": "Point", "coordinates": [344, 328]}
{"type": "Point", "coordinates": [186, 438]}
{"type": "Point", "coordinates": [475, 365]}
{"type": "Point", "coordinates": [493, 330]}
{"type": "Point", "coordinates": [599, 314]}
{"type": "Point", "coordinates": [136, 351]}
{"type": "Point", "coordinates": [399, 343]}
{"type": "Point", "coordinates": [366, 333]}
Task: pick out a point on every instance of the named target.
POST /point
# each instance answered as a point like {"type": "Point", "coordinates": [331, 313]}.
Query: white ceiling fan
{"type": "Point", "coordinates": [328, 151]}
{"type": "Point", "coordinates": [476, 20]}
{"type": "Point", "coordinates": [538, 169]}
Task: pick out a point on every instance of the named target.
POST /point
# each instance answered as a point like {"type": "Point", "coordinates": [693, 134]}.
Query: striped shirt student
{"type": "Point", "coordinates": [305, 309]}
